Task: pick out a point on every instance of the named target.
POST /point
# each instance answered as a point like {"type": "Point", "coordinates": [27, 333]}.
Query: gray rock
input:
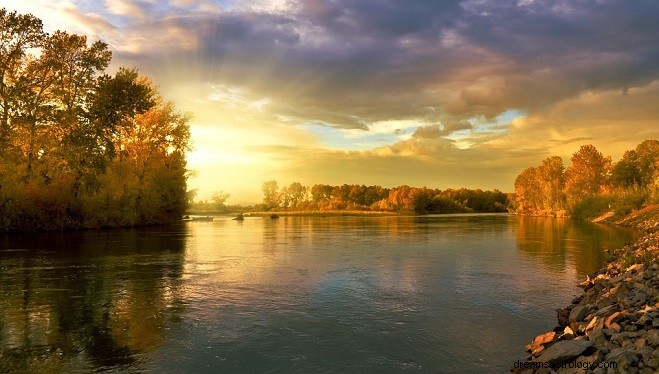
{"type": "Point", "coordinates": [597, 337]}
{"type": "Point", "coordinates": [564, 350]}
{"type": "Point", "coordinates": [625, 356]}
{"type": "Point", "coordinates": [653, 337]}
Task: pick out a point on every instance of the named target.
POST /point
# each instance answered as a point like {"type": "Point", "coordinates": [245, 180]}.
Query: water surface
{"type": "Point", "coordinates": [457, 293]}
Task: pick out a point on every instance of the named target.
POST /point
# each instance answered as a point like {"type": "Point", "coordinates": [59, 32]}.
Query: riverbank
{"type": "Point", "coordinates": [304, 213]}
{"type": "Point", "coordinates": [613, 327]}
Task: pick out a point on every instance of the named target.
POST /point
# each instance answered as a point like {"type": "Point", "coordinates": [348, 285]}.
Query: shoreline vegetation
{"type": "Point", "coordinates": [80, 147]}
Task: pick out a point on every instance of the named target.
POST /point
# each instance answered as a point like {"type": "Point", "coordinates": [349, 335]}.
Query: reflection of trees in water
{"type": "Point", "coordinates": [559, 241]}
{"type": "Point", "coordinates": [75, 301]}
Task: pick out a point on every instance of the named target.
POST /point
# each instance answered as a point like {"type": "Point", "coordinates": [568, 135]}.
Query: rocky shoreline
{"type": "Point", "coordinates": [613, 327]}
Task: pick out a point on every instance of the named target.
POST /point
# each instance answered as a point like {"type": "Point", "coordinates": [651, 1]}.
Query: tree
{"type": "Point", "coordinates": [219, 198]}
{"type": "Point", "coordinates": [647, 161]}
{"type": "Point", "coordinates": [551, 175]}
{"type": "Point", "coordinates": [296, 194]}
{"type": "Point", "coordinates": [320, 192]}
{"type": "Point", "coordinates": [79, 147]}
{"type": "Point", "coordinates": [271, 195]}
{"type": "Point", "coordinates": [626, 172]}
{"type": "Point", "coordinates": [587, 175]}
{"type": "Point", "coordinates": [528, 194]}
{"type": "Point", "coordinates": [18, 34]}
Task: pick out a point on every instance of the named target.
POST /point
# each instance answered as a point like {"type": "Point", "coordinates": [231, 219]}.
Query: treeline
{"type": "Point", "coordinates": [592, 184]}
{"type": "Point", "coordinates": [80, 147]}
{"type": "Point", "coordinates": [323, 197]}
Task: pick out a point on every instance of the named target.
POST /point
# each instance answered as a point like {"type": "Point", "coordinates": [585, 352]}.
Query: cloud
{"type": "Point", "coordinates": [406, 87]}
{"type": "Point", "coordinates": [127, 8]}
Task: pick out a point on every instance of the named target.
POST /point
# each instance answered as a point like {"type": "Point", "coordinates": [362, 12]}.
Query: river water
{"type": "Point", "coordinates": [440, 294]}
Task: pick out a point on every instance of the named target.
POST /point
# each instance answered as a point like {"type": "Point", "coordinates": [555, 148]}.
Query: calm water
{"type": "Point", "coordinates": [298, 294]}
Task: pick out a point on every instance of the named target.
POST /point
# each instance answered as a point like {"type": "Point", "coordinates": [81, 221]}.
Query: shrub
{"type": "Point", "coordinates": [592, 206]}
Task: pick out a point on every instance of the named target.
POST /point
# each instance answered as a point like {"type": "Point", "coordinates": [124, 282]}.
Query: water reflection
{"type": "Point", "coordinates": [563, 243]}
{"type": "Point", "coordinates": [296, 294]}
{"type": "Point", "coordinates": [96, 300]}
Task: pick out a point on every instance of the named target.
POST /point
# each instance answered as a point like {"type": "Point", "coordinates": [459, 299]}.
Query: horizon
{"type": "Point", "coordinates": [443, 95]}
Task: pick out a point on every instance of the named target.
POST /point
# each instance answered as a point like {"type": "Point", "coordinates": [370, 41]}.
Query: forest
{"type": "Point", "coordinates": [591, 185]}
{"type": "Point", "coordinates": [80, 147]}
{"type": "Point", "coordinates": [346, 197]}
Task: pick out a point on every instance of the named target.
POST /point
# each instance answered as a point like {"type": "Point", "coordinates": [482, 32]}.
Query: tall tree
{"type": "Point", "coordinates": [270, 194]}
{"type": "Point", "coordinates": [587, 175]}
{"type": "Point", "coordinates": [551, 175]}
{"type": "Point", "coordinates": [18, 34]}
{"type": "Point", "coordinates": [626, 172]}
{"type": "Point", "coordinates": [528, 195]}
{"type": "Point", "coordinates": [297, 194]}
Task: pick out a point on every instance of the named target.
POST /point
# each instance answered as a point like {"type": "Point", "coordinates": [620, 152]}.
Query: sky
{"type": "Point", "coordinates": [443, 94]}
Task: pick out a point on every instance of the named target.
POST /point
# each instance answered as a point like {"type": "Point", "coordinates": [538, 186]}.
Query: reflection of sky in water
{"type": "Point", "coordinates": [456, 293]}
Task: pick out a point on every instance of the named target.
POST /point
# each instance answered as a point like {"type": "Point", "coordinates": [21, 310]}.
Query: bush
{"type": "Point", "coordinates": [629, 200]}
{"type": "Point", "coordinates": [592, 206]}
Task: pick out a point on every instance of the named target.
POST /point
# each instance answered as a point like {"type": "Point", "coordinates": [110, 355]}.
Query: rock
{"type": "Point", "coordinates": [653, 363]}
{"type": "Point", "coordinates": [640, 343]}
{"type": "Point", "coordinates": [602, 312]}
{"type": "Point", "coordinates": [595, 323]}
{"type": "Point", "coordinates": [545, 338]}
{"type": "Point", "coordinates": [597, 337]}
{"type": "Point", "coordinates": [564, 350]}
{"type": "Point", "coordinates": [577, 314]}
{"type": "Point", "coordinates": [623, 357]}
{"type": "Point", "coordinates": [613, 318]}
{"type": "Point", "coordinates": [591, 360]}
{"type": "Point", "coordinates": [538, 343]}
{"type": "Point", "coordinates": [653, 337]}
{"type": "Point", "coordinates": [601, 348]}
{"type": "Point", "coordinates": [562, 315]}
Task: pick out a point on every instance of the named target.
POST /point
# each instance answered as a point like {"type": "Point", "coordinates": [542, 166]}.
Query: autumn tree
{"type": "Point", "coordinates": [18, 34]}
{"type": "Point", "coordinates": [80, 147]}
{"type": "Point", "coordinates": [587, 175]}
{"type": "Point", "coordinates": [551, 181]}
{"type": "Point", "coordinates": [296, 194]}
{"type": "Point", "coordinates": [528, 194]}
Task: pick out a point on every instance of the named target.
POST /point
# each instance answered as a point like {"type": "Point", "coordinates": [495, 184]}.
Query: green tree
{"type": "Point", "coordinates": [626, 172]}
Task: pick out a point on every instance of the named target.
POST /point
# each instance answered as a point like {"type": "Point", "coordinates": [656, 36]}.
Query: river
{"type": "Point", "coordinates": [439, 294]}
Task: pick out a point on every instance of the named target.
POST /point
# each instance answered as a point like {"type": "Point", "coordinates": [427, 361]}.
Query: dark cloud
{"type": "Point", "coordinates": [349, 64]}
